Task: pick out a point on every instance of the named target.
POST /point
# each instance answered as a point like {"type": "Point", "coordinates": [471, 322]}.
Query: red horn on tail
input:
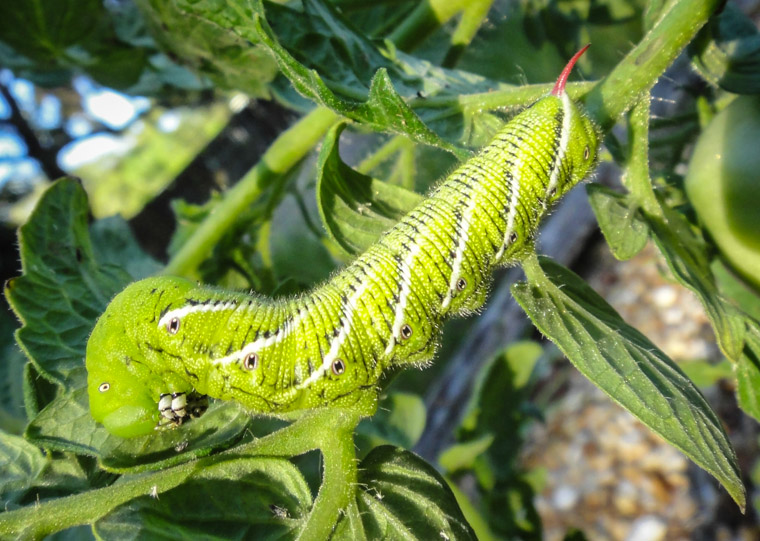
{"type": "Point", "coordinates": [559, 86]}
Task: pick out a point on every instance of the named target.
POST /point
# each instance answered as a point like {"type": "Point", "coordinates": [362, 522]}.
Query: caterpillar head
{"type": "Point", "coordinates": [122, 389]}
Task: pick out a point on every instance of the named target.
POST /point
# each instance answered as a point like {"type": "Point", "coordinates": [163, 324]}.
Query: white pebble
{"type": "Point", "coordinates": [647, 528]}
{"type": "Point", "coordinates": [673, 316]}
{"type": "Point", "coordinates": [664, 296]}
{"type": "Point", "coordinates": [565, 497]}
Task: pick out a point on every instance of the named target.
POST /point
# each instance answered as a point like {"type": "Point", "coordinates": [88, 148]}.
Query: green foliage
{"type": "Point", "coordinates": [356, 209]}
{"type": "Point", "coordinates": [488, 444]}
{"type": "Point", "coordinates": [629, 368]}
{"type": "Point", "coordinates": [619, 219]}
{"type": "Point", "coordinates": [339, 70]}
{"type": "Point", "coordinates": [47, 41]}
{"type": "Point", "coordinates": [62, 287]}
{"type": "Point", "coordinates": [727, 52]}
{"type": "Point", "coordinates": [228, 60]}
{"type": "Point", "coordinates": [402, 497]}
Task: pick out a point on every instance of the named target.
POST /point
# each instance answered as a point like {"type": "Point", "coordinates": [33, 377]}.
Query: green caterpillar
{"type": "Point", "coordinates": [164, 344]}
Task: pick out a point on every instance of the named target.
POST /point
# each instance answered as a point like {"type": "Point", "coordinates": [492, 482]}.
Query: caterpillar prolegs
{"type": "Point", "coordinates": [169, 337]}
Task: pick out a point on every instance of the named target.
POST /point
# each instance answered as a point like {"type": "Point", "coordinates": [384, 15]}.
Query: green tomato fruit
{"type": "Point", "coordinates": [723, 184]}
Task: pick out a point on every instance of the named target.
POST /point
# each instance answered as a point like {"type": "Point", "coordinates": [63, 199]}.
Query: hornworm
{"type": "Point", "coordinates": [165, 343]}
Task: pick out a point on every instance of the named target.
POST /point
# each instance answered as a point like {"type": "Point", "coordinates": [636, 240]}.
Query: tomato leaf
{"type": "Point", "coordinates": [748, 372]}
{"type": "Point", "coordinates": [63, 288]}
{"type": "Point", "coordinates": [356, 209]}
{"type": "Point", "coordinates": [628, 367]}
{"type": "Point", "coordinates": [402, 497]}
{"type": "Point", "coordinates": [253, 497]}
{"type": "Point", "coordinates": [623, 228]}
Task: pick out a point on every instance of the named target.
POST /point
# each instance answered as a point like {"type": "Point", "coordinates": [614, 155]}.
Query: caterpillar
{"type": "Point", "coordinates": [164, 344]}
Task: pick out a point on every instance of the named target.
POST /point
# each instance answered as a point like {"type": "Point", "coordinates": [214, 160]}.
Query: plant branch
{"type": "Point", "coordinates": [45, 156]}
{"type": "Point", "coordinates": [468, 26]}
{"type": "Point", "coordinates": [637, 178]}
{"type": "Point", "coordinates": [516, 96]}
{"type": "Point", "coordinates": [642, 66]}
{"type": "Point", "coordinates": [326, 429]}
{"type": "Point", "coordinates": [340, 477]}
{"type": "Point", "coordinates": [284, 153]}
{"type": "Point", "coordinates": [426, 18]}
{"type": "Point", "coordinates": [35, 522]}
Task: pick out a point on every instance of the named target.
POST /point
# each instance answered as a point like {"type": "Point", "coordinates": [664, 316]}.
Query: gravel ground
{"type": "Point", "coordinates": [606, 473]}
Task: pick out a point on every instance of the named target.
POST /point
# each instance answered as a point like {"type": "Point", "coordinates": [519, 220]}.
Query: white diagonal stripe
{"type": "Point", "coordinates": [349, 308]}
{"type": "Point", "coordinates": [179, 313]}
{"type": "Point", "coordinates": [459, 255]}
{"type": "Point", "coordinates": [514, 194]}
{"type": "Point", "coordinates": [264, 342]}
{"type": "Point", "coordinates": [406, 287]}
{"type": "Point", "coordinates": [564, 142]}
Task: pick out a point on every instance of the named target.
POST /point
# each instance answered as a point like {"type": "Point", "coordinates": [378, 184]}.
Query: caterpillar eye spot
{"type": "Point", "coordinates": [173, 326]}
{"type": "Point", "coordinates": [461, 284]}
{"type": "Point", "coordinates": [512, 237]}
{"type": "Point", "coordinates": [552, 192]}
{"type": "Point", "coordinates": [103, 387]}
{"type": "Point", "coordinates": [406, 332]}
{"type": "Point", "coordinates": [338, 367]}
{"type": "Point", "coordinates": [251, 361]}
{"type": "Point", "coordinates": [586, 153]}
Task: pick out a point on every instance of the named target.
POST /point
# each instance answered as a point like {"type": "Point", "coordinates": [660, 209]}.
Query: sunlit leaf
{"type": "Point", "coordinates": [403, 497]}
{"type": "Point", "coordinates": [356, 209]}
{"type": "Point", "coordinates": [628, 367]}
{"type": "Point", "coordinates": [261, 498]}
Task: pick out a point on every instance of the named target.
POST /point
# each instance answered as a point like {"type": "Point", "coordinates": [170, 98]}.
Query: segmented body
{"type": "Point", "coordinates": [331, 346]}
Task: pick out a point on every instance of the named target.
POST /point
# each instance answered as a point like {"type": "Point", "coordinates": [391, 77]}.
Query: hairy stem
{"type": "Point", "coordinates": [472, 18]}
{"type": "Point", "coordinates": [637, 178]}
{"type": "Point", "coordinates": [35, 522]}
{"type": "Point", "coordinates": [284, 153]}
{"type": "Point", "coordinates": [339, 479]}
{"type": "Point", "coordinates": [516, 96]}
{"type": "Point", "coordinates": [642, 66]}
{"type": "Point", "coordinates": [329, 430]}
